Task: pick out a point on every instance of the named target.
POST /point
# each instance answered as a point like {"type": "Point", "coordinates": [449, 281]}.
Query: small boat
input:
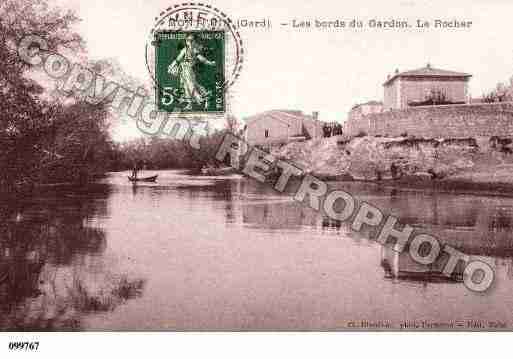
{"type": "Point", "coordinates": [143, 179]}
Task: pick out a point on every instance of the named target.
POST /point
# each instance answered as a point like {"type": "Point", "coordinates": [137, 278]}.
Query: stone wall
{"type": "Point", "coordinates": [450, 121]}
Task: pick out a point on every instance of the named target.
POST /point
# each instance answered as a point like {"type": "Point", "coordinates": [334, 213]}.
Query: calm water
{"type": "Point", "coordinates": [226, 253]}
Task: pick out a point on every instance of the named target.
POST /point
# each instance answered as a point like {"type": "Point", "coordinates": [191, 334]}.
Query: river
{"type": "Point", "coordinates": [227, 253]}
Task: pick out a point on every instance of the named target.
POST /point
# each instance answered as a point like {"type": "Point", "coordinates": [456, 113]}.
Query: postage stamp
{"type": "Point", "coordinates": [190, 71]}
{"type": "Point", "coordinates": [194, 54]}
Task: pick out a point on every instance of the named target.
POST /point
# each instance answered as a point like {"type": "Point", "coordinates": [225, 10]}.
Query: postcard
{"type": "Point", "coordinates": [255, 166]}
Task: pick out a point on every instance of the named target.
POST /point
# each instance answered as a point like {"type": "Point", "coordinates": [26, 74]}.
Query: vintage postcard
{"type": "Point", "coordinates": [255, 166]}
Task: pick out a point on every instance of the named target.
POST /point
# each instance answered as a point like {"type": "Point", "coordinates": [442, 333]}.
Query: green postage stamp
{"type": "Point", "coordinates": [189, 71]}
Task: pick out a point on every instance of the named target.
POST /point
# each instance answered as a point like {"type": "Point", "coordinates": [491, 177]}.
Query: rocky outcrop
{"type": "Point", "coordinates": [324, 157]}
{"type": "Point", "coordinates": [375, 158]}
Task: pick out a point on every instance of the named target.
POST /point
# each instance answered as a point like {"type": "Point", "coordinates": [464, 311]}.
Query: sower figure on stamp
{"type": "Point", "coordinates": [183, 67]}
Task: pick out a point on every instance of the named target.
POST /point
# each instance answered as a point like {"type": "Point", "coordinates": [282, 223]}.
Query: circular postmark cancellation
{"type": "Point", "coordinates": [194, 54]}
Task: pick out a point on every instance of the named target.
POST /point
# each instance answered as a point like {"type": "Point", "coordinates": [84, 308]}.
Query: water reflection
{"type": "Point", "coordinates": [476, 225]}
{"type": "Point", "coordinates": [52, 271]}
{"type": "Point", "coordinates": [232, 254]}
{"type": "Point", "coordinates": [401, 266]}
{"type": "Point", "coordinates": [479, 226]}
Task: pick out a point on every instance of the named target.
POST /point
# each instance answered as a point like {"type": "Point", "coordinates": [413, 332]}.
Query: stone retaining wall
{"type": "Point", "coordinates": [449, 121]}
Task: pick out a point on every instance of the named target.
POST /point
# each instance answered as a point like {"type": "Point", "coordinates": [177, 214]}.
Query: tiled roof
{"type": "Point", "coordinates": [372, 102]}
{"type": "Point", "coordinates": [428, 71]}
{"type": "Point", "coordinates": [286, 116]}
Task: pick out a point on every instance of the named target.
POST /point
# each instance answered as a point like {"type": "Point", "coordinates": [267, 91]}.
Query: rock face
{"type": "Point", "coordinates": [323, 157]}
{"type": "Point", "coordinates": [375, 158]}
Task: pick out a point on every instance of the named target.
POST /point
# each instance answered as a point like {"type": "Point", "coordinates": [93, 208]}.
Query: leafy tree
{"type": "Point", "coordinates": [44, 140]}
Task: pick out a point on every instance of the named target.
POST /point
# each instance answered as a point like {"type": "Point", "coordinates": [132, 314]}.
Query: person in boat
{"type": "Point", "coordinates": [135, 170]}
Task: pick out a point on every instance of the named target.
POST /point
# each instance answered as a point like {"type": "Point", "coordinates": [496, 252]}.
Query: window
{"type": "Point", "coordinates": [266, 133]}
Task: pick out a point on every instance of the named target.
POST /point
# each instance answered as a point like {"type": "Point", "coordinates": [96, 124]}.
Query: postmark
{"type": "Point", "coordinates": [194, 55]}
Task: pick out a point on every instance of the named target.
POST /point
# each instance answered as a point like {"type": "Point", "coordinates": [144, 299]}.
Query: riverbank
{"type": "Point", "coordinates": [469, 165]}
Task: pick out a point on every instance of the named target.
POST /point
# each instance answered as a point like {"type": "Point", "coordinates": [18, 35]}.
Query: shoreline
{"type": "Point", "coordinates": [456, 186]}
{"type": "Point", "coordinates": [407, 183]}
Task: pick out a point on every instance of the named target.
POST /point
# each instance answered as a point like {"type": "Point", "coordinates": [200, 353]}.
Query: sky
{"type": "Point", "coordinates": [325, 70]}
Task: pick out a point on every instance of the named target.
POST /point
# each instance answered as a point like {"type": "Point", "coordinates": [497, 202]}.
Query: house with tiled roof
{"type": "Point", "coordinates": [278, 127]}
{"type": "Point", "coordinates": [424, 86]}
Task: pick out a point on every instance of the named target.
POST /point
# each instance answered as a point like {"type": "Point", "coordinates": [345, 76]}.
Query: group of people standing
{"type": "Point", "coordinates": [331, 129]}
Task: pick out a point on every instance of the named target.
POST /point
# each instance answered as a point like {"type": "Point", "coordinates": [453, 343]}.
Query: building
{"type": "Point", "coordinates": [278, 127]}
{"type": "Point", "coordinates": [425, 86]}
{"type": "Point", "coordinates": [365, 109]}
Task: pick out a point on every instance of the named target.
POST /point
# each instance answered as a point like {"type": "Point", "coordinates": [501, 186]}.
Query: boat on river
{"type": "Point", "coordinates": [143, 179]}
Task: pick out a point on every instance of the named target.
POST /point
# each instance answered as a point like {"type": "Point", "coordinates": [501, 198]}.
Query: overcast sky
{"type": "Point", "coordinates": [320, 70]}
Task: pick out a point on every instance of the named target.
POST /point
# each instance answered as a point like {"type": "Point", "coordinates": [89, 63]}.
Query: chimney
{"type": "Point", "coordinates": [315, 115]}
{"type": "Point", "coordinates": [428, 65]}
{"type": "Point", "coordinates": [396, 71]}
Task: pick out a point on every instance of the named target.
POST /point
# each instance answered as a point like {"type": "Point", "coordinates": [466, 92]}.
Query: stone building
{"type": "Point", "coordinates": [364, 109]}
{"type": "Point", "coordinates": [425, 86]}
{"type": "Point", "coordinates": [278, 127]}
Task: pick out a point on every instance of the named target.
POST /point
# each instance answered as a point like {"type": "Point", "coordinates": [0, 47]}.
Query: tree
{"type": "Point", "coordinates": [43, 140]}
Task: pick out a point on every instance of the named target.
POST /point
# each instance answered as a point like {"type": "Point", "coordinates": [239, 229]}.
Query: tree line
{"type": "Point", "coordinates": [45, 138]}
{"type": "Point", "coordinates": [169, 153]}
